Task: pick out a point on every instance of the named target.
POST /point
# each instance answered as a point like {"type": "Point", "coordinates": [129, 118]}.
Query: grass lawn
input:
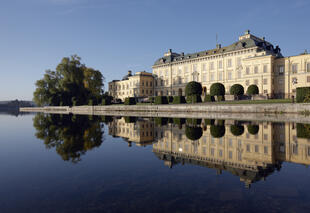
{"type": "Point", "coordinates": [269, 101]}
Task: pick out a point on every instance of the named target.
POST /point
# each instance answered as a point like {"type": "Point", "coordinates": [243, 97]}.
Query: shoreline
{"type": "Point", "coordinates": [286, 112]}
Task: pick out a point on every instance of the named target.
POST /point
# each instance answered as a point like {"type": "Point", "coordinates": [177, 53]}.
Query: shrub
{"type": "Point", "coordinates": [161, 121]}
{"type": "Point", "coordinates": [130, 119]}
{"type": "Point", "coordinates": [209, 121]}
{"type": "Point", "coordinates": [236, 130]}
{"type": "Point", "coordinates": [179, 121]}
{"type": "Point", "coordinates": [193, 88]}
{"type": "Point", "coordinates": [220, 98]}
{"type": "Point", "coordinates": [220, 122]}
{"type": "Point", "coordinates": [253, 129]}
{"type": "Point", "coordinates": [193, 99]}
{"type": "Point", "coordinates": [209, 98]}
{"type": "Point", "coordinates": [106, 101]}
{"type": "Point", "coordinates": [170, 99]}
{"type": "Point", "coordinates": [236, 90]}
{"type": "Point", "coordinates": [193, 133]}
{"type": "Point", "coordinates": [74, 101]}
{"type": "Point", "coordinates": [301, 94]}
{"type": "Point", "coordinates": [130, 101]}
{"type": "Point", "coordinates": [151, 99]}
{"type": "Point", "coordinates": [90, 102]}
{"type": "Point", "coordinates": [217, 131]}
{"type": "Point", "coordinates": [161, 100]}
{"type": "Point", "coordinates": [252, 90]}
{"type": "Point", "coordinates": [217, 89]}
{"type": "Point", "coordinates": [193, 121]}
{"type": "Point", "coordinates": [178, 100]}
{"type": "Point", "coordinates": [303, 130]}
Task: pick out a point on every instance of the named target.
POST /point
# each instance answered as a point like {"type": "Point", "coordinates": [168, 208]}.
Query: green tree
{"type": "Point", "coordinates": [252, 90]}
{"type": "Point", "coordinates": [217, 89]}
{"type": "Point", "coordinates": [237, 90]}
{"type": "Point", "coordinates": [71, 83]}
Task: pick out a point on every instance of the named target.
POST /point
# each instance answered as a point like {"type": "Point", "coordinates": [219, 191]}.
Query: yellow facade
{"type": "Point", "coordinates": [250, 60]}
{"type": "Point", "coordinates": [139, 85]}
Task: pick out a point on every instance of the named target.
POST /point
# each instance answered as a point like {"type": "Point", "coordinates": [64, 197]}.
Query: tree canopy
{"type": "Point", "coordinates": [193, 88]}
{"type": "Point", "coordinates": [217, 89]}
{"type": "Point", "coordinates": [237, 89]}
{"type": "Point", "coordinates": [72, 83]}
{"type": "Point", "coordinates": [252, 90]}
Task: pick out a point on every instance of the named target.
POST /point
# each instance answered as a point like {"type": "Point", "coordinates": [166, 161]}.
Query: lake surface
{"type": "Point", "coordinates": [70, 163]}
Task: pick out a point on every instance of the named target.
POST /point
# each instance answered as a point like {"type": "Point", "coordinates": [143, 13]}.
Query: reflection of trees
{"type": "Point", "coordinates": [71, 135]}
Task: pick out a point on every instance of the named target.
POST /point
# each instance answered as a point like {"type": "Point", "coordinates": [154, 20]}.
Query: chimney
{"type": "Point", "coordinates": [129, 72]}
{"type": "Point", "coordinates": [170, 51]}
{"type": "Point", "coordinates": [247, 32]}
{"type": "Point", "coordinates": [218, 46]}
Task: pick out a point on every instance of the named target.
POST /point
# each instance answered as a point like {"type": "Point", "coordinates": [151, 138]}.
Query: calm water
{"type": "Point", "coordinates": [53, 163]}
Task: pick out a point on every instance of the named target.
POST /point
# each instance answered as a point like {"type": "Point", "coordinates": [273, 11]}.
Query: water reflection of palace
{"type": "Point", "coordinates": [251, 151]}
{"type": "Point", "coordinates": [132, 129]}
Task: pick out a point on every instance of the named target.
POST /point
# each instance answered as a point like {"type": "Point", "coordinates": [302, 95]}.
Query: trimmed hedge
{"type": "Point", "coordinates": [170, 99]}
{"type": "Point", "coordinates": [106, 119]}
{"type": "Point", "coordinates": [193, 133]}
{"type": "Point", "coordinates": [220, 98]}
{"type": "Point", "coordinates": [193, 99]}
{"type": "Point", "coordinates": [302, 94]}
{"type": "Point", "coordinates": [237, 90]}
{"type": "Point", "coordinates": [236, 130]}
{"type": "Point", "coordinates": [130, 101]}
{"type": "Point", "coordinates": [303, 130]}
{"type": "Point", "coordinates": [217, 131]}
{"type": "Point", "coordinates": [179, 121]}
{"type": "Point", "coordinates": [253, 129]}
{"type": "Point", "coordinates": [193, 121]}
{"type": "Point", "coordinates": [179, 100]}
{"type": "Point", "coordinates": [161, 100]}
{"type": "Point", "coordinates": [252, 90]}
{"type": "Point", "coordinates": [161, 121]}
{"type": "Point", "coordinates": [151, 99]}
{"type": "Point", "coordinates": [90, 102]}
{"type": "Point", "coordinates": [209, 121]}
{"type": "Point", "coordinates": [130, 119]}
{"type": "Point", "coordinates": [209, 98]}
{"type": "Point", "coordinates": [193, 88]}
{"type": "Point", "coordinates": [106, 101]}
{"type": "Point", "coordinates": [217, 89]}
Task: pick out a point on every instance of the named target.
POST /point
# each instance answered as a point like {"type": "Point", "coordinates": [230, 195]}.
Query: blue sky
{"type": "Point", "coordinates": [114, 36]}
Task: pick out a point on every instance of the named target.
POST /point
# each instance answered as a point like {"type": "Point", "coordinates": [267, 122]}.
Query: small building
{"type": "Point", "coordinates": [139, 85]}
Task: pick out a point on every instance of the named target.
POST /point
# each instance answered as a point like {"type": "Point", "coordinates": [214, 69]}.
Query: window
{"type": "Point", "coordinates": [265, 81]}
{"type": "Point", "coordinates": [265, 68]}
{"type": "Point", "coordinates": [247, 82]}
{"type": "Point", "coordinates": [211, 65]}
{"type": "Point", "coordinates": [180, 71]}
{"type": "Point", "coordinates": [212, 151]}
{"type": "Point", "coordinates": [247, 70]}
{"type": "Point", "coordinates": [265, 137]}
{"type": "Point", "coordinates": [186, 79]}
{"type": "Point", "coordinates": [255, 81]}
{"type": "Point", "coordinates": [151, 84]}
{"type": "Point", "coordinates": [180, 80]}
{"type": "Point", "coordinates": [308, 67]}
{"type": "Point", "coordinates": [248, 148]}
{"type": "Point", "coordinates": [229, 63]}
{"type": "Point", "coordinates": [220, 76]}
{"type": "Point", "coordinates": [265, 91]}
{"type": "Point", "coordinates": [229, 75]}
{"type": "Point", "coordinates": [308, 78]}
{"type": "Point", "coordinates": [256, 69]}
{"type": "Point", "coordinates": [212, 77]}
{"type": "Point", "coordinates": [239, 74]}
{"type": "Point", "coordinates": [185, 70]}
{"type": "Point", "coordinates": [204, 77]}
{"type": "Point", "coordinates": [256, 148]}
{"type": "Point", "coordinates": [195, 68]}
{"type": "Point", "coordinates": [230, 154]}
{"type": "Point", "coordinates": [238, 61]}
{"type": "Point", "coordinates": [281, 81]}
{"type": "Point", "coordinates": [220, 64]}
{"type": "Point", "coordinates": [220, 153]}
{"type": "Point", "coordinates": [294, 68]}
{"type": "Point", "coordinates": [266, 149]}
{"type": "Point", "coordinates": [166, 72]}
{"type": "Point", "coordinates": [204, 67]}
{"type": "Point", "coordinates": [281, 70]}
{"type": "Point", "coordinates": [230, 142]}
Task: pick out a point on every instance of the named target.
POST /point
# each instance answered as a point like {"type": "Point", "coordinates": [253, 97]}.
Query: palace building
{"type": "Point", "coordinates": [139, 85]}
{"type": "Point", "coordinates": [250, 60]}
